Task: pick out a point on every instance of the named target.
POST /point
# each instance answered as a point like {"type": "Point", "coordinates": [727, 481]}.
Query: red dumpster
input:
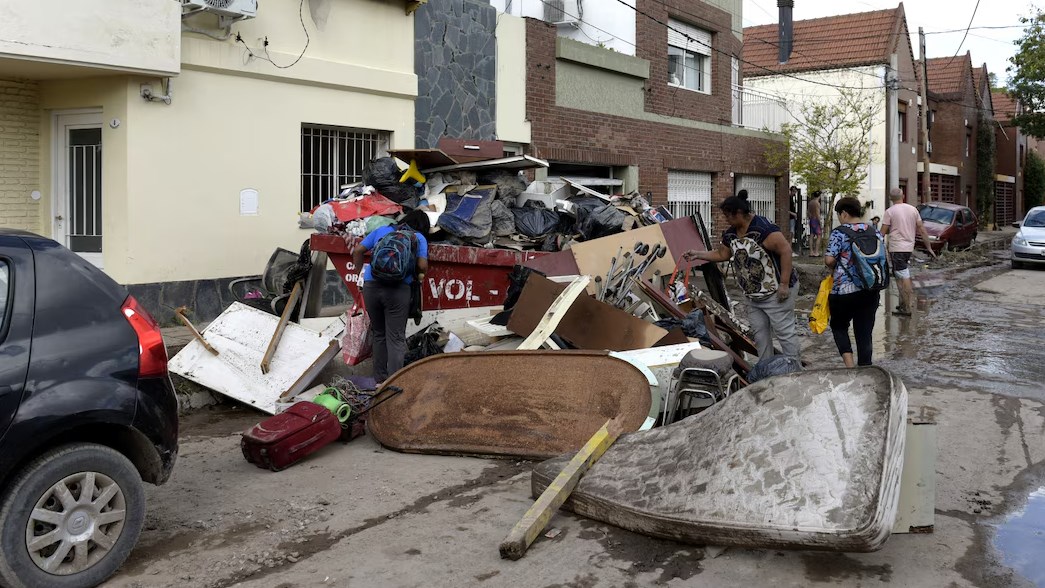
{"type": "Point", "coordinates": [458, 276]}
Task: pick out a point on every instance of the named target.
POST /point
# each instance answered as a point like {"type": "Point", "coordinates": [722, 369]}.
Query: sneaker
{"type": "Point", "coordinates": [902, 312]}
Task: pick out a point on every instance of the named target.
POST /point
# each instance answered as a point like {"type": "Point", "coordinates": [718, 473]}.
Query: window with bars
{"type": "Point", "coordinates": [690, 193]}
{"type": "Point", "coordinates": [761, 194]}
{"type": "Point", "coordinates": [334, 156]}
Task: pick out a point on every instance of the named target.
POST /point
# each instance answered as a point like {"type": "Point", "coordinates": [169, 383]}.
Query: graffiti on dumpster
{"type": "Point", "coordinates": [452, 289]}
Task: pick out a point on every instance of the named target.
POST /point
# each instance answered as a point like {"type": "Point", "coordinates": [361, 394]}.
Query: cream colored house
{"type": "Point", "coordinates": [168, 143]}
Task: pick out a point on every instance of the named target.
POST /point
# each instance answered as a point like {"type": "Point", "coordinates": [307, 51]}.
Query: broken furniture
{"type": "Point", "coordinates": [241, 336]}
{"type": "Point", "coordinates": [269, 285]}
{"type": "Point", "coordinates": [702, 378]}
{"type": "Point", "coordinates": [530, 404]}
{"type": "Point", "coordinates": [809, 460]}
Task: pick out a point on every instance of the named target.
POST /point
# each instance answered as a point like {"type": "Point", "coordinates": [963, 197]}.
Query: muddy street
{"type": "Point", "coordinates": [972, 358]}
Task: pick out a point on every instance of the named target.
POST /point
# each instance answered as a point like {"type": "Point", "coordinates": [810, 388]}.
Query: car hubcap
{"type": "Point", "coordinates": [75, 523]}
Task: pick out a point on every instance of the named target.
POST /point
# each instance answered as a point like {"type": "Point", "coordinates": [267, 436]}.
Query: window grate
{"type": "Point", "coordinates": [690, 193]}
{"type": "Point", "coordinates": [334, 156]}
{"type": "Point", "coordinates": [761, 194]}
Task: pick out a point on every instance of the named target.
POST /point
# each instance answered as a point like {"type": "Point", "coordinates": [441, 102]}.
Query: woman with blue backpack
{"type": "Point", "coordinates": [856, 252]}
{"type": "Point", "coordinates": [399, 258]}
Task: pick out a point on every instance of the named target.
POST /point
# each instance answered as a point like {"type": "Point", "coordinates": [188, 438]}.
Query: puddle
{"type": "Point", "coordinates": [1021, 539]}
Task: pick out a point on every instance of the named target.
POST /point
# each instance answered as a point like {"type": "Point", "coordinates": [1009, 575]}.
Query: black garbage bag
{"type": "Point", "coordinates": [503, 219]}
{"type": "Point", "coordinates": [516, 282]}
{"type": "Point", "coordinates": [422, 344]}
{"type": "Point", "coordinates": [534, 220]}
{"type": "Point", "coordinates": [383, 174]}
{"type": "Point", "coordinates": [601, 222]}
{"type": "Point", "coordinates": [509, 184]}
{"type": "Point", "coordinates": [469, 217]}
{"type": "Point", "coordinates": [692, 325]}
{"type": "Point", "coordinates": [776, 365]}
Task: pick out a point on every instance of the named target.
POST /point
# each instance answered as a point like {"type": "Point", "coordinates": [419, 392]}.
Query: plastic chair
{"type": "Point", "coordinates": [270, 283]}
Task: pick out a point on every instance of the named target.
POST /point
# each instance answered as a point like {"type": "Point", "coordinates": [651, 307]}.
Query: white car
{"type": "Point", "coordinates": [1028, 246]}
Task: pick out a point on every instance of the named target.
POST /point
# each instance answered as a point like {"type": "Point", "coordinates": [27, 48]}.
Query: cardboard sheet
{"type": "Point", "coordinates": [589, 324]}
{"type": "Point", "coordinates": [593, 257]}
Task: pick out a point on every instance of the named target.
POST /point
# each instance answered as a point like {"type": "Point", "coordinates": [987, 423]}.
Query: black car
{"type": "Point", "coordinates": [87, 412]}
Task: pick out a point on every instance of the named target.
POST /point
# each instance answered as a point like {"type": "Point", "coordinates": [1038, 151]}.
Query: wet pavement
{"type": "Point", "coordinates": [972, 358]}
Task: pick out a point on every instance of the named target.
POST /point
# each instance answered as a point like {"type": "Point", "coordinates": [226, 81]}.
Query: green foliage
{"type": "Point", "coordinates": [1033, 180]}
{"type": "Point", "coordinates": [1027, 84]}
{"type": "Point", "coordinates": [992, 80]}
{"type": "Point", "coordinates": [986, 152]}
{"type": "Point", "coordinates": [828, 147]}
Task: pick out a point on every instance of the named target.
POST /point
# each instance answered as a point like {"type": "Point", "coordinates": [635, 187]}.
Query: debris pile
{"type": "Point", "coordinates": [483, 201]}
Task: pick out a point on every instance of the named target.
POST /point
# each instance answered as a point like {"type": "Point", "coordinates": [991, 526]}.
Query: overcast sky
{"type": "Point", "coordinates": [990, 46]}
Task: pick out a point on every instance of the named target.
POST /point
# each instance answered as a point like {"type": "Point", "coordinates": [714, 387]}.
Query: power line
{"type": "Point", "coordinates": [966, 35]}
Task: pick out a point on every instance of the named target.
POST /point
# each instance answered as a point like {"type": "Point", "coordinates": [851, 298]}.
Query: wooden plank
{"type": "Point", "coordinates": [536, 519]}
{"type": "Point", "coordinates": [917, 509]}
{"type": "Point", "coordinates": [306, 378]}
{"type": "Point", "coordinates": [180, 312]}
{"type": "Point", "coordinates": [292, 301]}
{"type": "Point", "coordinates": [555, 313]}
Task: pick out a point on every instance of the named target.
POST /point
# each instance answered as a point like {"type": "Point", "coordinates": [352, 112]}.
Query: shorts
{"type": "Point", "coordinates": [901, 264]}
{"type": "Point", "coordinates": [814, 227]}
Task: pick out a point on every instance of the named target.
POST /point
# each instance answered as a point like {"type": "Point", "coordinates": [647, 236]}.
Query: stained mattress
{"type": "Point", "coordinates": [809, 460]}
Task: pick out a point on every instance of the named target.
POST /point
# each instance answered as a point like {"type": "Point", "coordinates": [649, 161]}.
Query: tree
{"type": "Point", "coordinates": [828, 146]}
{"type": "Point", "coordinates": [1027, 84]}
{"type": "Point", "coordinates": [1033, 180]}
{"type": "Point", "coordinates": [985, 159]}
{"type": "Point", "coordinates": [992, 80]}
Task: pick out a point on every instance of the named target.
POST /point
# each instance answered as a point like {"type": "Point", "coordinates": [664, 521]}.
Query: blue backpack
{"type": "Point", "coordinates": [867, 266]}
{"type": "Point", "coordinates": [393, 258]}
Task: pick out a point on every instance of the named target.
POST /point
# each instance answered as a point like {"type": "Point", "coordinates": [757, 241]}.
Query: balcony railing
{"type": "Point", "coordinates": [758, 110]}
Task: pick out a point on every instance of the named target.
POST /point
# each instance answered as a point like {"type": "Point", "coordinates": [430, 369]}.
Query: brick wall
{"type": "Point", "coordinates": [19, 154]}
{"type": "Point", "coordinates": [578, 136]}
{"type": "Point", "coordinates": [652, 45]}
{"type": "Point", "coordinates": [948, 138]}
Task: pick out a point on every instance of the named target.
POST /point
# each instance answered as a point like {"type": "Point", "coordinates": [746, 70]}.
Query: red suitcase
{"type": "Point", "coordinates": [278, 442]}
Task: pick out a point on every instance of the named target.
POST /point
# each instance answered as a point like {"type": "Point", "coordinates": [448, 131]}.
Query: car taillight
{"type": "Point", "coordinates": [152, 353]}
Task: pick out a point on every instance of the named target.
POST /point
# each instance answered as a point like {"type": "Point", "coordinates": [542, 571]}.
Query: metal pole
{"type": "Point", "coordinates": [926, 195]}
{"type": "Point", "coordinates": [892, 85]}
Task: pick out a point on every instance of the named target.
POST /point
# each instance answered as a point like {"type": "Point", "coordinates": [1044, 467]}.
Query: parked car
{"type": "Point", "coordinates": [950, 226]}
{"type": "Point", "coordinates": [87, 412]}
{"type": "Point", "coordinates": [1028, 245]}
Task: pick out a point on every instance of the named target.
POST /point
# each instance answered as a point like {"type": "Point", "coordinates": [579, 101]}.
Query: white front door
{"type": "Point", "coordinates": [77, 198]}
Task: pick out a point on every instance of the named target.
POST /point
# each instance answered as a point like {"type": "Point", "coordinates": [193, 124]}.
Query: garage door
{"type": "Point", "coordinates": [1004, 203]}
{"type": "Point", "coordinates": [761, 193]}
{"type": "Point", "coordinates": [690, 193]}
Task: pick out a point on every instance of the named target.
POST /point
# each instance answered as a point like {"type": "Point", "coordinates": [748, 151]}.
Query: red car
{"type": "Point", "coordinates": [950, 226]}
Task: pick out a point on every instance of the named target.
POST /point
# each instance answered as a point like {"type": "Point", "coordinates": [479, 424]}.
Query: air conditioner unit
{"type": "Point", "coordinates": [563, 12]}
{"type": "Point", "coordinates": [228, 10]}
{"type": "Point", "coordinates": [929, 148]}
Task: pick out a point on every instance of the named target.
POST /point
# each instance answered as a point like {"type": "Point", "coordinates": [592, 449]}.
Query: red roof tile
{"type": "Point", "coordinates": [1004, 106]}
{"type": "Point", "coordinates": [833, 42]}
{"type": "Point", "coordinates": [948, 75]}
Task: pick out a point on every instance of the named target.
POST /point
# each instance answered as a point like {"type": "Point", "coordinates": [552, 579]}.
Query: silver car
{"type": "Point", "coordinates": [1028, 246]}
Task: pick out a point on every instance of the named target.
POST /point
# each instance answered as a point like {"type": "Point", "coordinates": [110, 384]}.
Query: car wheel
{"type": "Point", "coordinates": [70, 518]}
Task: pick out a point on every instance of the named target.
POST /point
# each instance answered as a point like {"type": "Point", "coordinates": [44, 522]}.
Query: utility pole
{"type": "Point", "coordinates": [926, 196]}
{"type": "Point", "coordinates": [892, 84]}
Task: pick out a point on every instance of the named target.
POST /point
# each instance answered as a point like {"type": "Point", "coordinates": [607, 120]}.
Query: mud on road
{"type": "Point", "coordinates": [359, 515]}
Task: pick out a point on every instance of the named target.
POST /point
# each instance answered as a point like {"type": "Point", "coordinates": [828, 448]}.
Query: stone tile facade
{"type": "Point", "coordinates": [455, 53]}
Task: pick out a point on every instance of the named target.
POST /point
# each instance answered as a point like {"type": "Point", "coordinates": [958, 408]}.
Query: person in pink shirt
{"type": "Point", "coordinates": [902, 225]}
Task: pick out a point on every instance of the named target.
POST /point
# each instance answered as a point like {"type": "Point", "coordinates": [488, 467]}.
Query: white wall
{"type": "Point", "coordinates": [606, 22]}
{"type": "Point", "coordinates": [512, 125]}
{"type": "Point", "coordinates": [128, 35]}
{"type": "Point", "coordinates": [868, 80]}
{"type": "Point", "coordinates": [172, 174]}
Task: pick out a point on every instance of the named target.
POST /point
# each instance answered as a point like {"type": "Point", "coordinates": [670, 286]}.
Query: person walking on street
{"type": "Point", "coordinates": [815, 228]}
{"type": "Point", "coordinates": [400, 255]}
{"type": "Point", "coordinates": [902, 225]}
{"type": "Point", "coordinates": [761, 259]}
{"type": "Point", "coordinates": [856, 253]}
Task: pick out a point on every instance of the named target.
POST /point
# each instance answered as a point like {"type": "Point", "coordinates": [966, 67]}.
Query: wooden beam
{"type": "Point", "coordinates": [536, 519]}
{"type": "Point", "coordinates": [280, 327]}
{"type": "Point", "coordinates": [180, 312]}
{"type": "Point", "coordinates": [555, 313]}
